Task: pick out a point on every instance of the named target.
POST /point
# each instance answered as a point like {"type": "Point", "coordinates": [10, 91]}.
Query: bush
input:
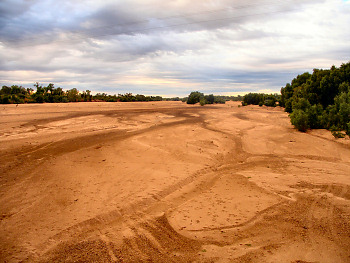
{"type": "Point", "coordinates": [219, 100]}
{"type": "Point", "coordinates": [338, 134]}
{"type": "Point", "coordinates": [194, 97]}
{"type": "Point", "coordinates": [299, 119]}
{"type": "Point", "coordinates": [209, 99]}
{"type": "Point", "coordinates": [301, 104]}
{"type": "Point", "coordinates": [39, 98]}
{"type": "Point", "coordinates": [288, 105]}
{"type": "Point", "coordinates": [5, 99]}
{"type": "Point", "coordinates": [269, 103]}
{"type": "Point", "coordinates": [315, 116]}
{"type": "Point", "coordinates": [324, 96]}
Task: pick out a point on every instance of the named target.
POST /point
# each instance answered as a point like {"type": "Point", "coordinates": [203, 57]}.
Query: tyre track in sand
{"type": "Point", "coordinates": [143, 232]}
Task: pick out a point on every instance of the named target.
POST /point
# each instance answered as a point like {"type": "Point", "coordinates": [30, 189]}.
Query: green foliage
{"type": "Point", "coordinates": [49, 94]}
{"type": "Point", "coordinates": [338, 134]}
{"type": "Point", "coordinates": [314, 113]}
{"type": "Point", "coordinates": [270, 100]}
{"type": "Point", "coordinates": [299, 119]}
{"type": "Point", "coordinates": [172, 99]}
{"type": "Point", "coordinates": [18, 94]}
{"type": "Point", "coordinates": [13, 94]}
{"type": "Point", "coordinates": [219, 100]}
{"type": "Point", "coordinates": [261, 99]}
{"type": "Point", "coordinates": [73, 95]}
{"type": "Point", "coordinates": [194, 97]}
{"type": "Point", "coordinates": [127, 97]}
{"type": "Point", "coordinates": [322, 98]}
{"type": "Point", "coordinates": [301, 104]}
{"type": "Point", "coordinates": [4, 99]}
{"type": "Point", "coordinates": [253, 98]}
{"type": "Point", "coordinates": [39, 98]}
{"type": "Point", "coordinates": [209, 99]}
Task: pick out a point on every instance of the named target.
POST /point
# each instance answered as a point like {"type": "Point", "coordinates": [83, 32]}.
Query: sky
{"type": "Point", "coordinates": [170, 48]}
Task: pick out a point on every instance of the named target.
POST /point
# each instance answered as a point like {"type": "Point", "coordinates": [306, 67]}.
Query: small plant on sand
{"type": "Point", "coordinates": [338, 134]}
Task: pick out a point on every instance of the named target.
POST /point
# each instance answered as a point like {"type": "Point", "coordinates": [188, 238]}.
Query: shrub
{"type": "Point", "coordinates": [299, 119]}
{"type": "Point", "coordinates": [194, 97]}
{"type": "Point", "coordinates": [219, 100]}
{"type": "Point", "coordinates": [39, 98]}
{"type": "Point", "coordinates": [209, 99]}
{"type": "Point", "coordinates": [5, 99]}
{"type": "Point", "coordinates": [338, 134]}
{"type": "Point", "coordinates": [288, 105]}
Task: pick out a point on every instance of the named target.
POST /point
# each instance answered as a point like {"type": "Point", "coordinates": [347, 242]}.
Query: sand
{"type": "Point", "coordinates": [169, 182]}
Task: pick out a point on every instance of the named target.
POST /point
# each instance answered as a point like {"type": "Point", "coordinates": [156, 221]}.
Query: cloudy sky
{"type": "Point", "coordinates": [170, 48]}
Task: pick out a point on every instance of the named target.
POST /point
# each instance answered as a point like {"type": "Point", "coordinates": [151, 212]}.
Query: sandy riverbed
{"type": "Point", "coordinates": [169, 182]}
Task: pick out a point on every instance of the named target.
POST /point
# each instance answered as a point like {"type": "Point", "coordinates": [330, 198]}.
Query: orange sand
{"type": "Point", "coordinates": [169, 182]}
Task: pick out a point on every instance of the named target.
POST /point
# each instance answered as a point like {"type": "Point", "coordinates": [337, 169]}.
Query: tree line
{"type": "Point", "coordinates": [202, 99]}
{"type": "Point", "coordinates": [50, 94]}
{"type": "Point", "coordinates": [320, 100]}
{"type": "Point", "coordinates": [127, 97]}
{"type": "Point", "coordinates": [270, 100]}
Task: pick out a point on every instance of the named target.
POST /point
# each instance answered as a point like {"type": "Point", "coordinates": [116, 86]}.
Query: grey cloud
{"type": "Point", "coordinates": [42, 21]}
{"type": "Point", "coordinates": [135, 17]}
{"type": "Point", "coordinates": [136, 39]}
{"type": "Point", "coordinates": [11, 9]}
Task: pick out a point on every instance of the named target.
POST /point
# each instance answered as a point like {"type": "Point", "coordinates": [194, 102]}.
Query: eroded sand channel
{"type": "Point", "coordinates": [168, 182]}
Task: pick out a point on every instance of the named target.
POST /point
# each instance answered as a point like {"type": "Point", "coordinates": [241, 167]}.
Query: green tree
{"type": "Point", "coordinates": [322, 96]}
{"type": "Point", "coordinates": [194, 97]}
{"type": "Point", "coordinates": [209, 99]}
{"type": "Point", "coordinates": [39, 88]}
{"type": "Point", "coordinates": [73, 95]}
{"type": "Point", "coordinates": [299, 119]}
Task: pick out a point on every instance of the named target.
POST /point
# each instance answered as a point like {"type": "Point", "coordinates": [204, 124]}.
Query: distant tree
{"type": "Point", "coordinates": [39, 98]}
{"type": "Point", "coordinates": [39, 88]}
{"type": "Point", "coordinates": [209, 99]}
{"type": "Point", "coordinates": [270, 100]}
{"type": "Point", "coordinates": [194, 97]}
{"type": "Point", "coordinates": [73, 95]}
{"type": "Point", "coordinates": [88, 94]}
{"type": "Point", "coordinates": [253, 98]}
{"type": "Point", "coordinates": [261, 99]}
{"type": "Point", "coordinates": [4, 99]}
{"type": "Point", "coordinates": [5, 90]}
{"type": "Point", "coordinates": [219, 99]}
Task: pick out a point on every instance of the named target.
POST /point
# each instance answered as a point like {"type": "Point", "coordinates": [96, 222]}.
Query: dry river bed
{"type": "Point", "coordinates": [169, 182]}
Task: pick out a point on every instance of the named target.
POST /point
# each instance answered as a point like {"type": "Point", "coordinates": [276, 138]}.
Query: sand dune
{"type": "Point", "coordinates": [169, 182]}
